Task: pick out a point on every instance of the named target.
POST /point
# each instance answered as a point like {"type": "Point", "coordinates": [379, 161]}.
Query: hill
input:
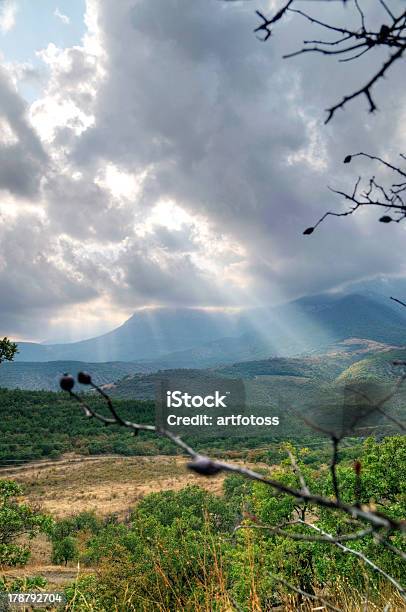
{"type": "Point", "coordinates": [138, 379]}
{"type": "Point", "coordinates": [378, 367]}
{"type": "Point", "coordinates": [39, 424]}
{"type": "Point", "coordinates": [285, 371]}
{"type": "Point", "coordinates": [46, 375]}
{"type": "Point", "coordinates": [359, 316]}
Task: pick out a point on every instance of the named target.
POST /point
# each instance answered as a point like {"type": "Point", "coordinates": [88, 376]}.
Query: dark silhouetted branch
{"type": "Point", "coordinates": [389, 197]}
{"type": "Point", "coordinates": [398, 301]}
{"type": "Point", "coordinates": [352, 43]}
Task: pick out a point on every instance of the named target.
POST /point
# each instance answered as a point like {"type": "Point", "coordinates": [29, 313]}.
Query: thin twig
{"type": "Point", "coordinates": [302, 537]}
{"type": "Point", "coordinates": [298, 472]}
{"type": "Point", "coordinates": [333, 466]}
{"type": "Point", "coordinates": [352, 38]}
{"type": "Point", "coordinates": [398, 301]}
{"type": "Point", "coordinates": [376, 195]}
{"type": "Point", "coordinates": [359, 554]}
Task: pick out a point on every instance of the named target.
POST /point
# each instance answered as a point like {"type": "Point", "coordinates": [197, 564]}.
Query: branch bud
{"type": "Point", "coordinates": [67, 382]}
{"type": "Point", "coordinates": [84, 378]}
{"type": "Point", "coordinates": [204, 466]}
{"type": "Point", "coordinates": [308, 231]}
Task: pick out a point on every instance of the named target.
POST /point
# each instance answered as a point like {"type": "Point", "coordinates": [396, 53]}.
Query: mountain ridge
{"type": "Point", "coordinates": [198, 338]}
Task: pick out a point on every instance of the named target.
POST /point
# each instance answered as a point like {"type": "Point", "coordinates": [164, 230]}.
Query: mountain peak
{"type": "Point", "coordinates": [183, 334]}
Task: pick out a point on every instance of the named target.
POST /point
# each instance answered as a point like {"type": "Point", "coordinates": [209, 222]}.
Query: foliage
{"type": "Point", "coordinates": [17, 519]}
{"type": "Point", "coordinates": [39, 424]}
{"type": "Point", "coordinates": [39, 376]}
{"type": "Point", "coordinates": [22, 585]}
{"type": "Point", "coordinates": [181, 550]}
{"type": "Point", "coordinates": [8, 350]}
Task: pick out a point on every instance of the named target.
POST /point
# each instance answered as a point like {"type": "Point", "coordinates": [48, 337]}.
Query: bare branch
{"type": "Point", "coordinates": [358, 486]}
{"type": "Point", "coordinates": [389, 197]}
{"type": "Point", "coordinates": [382, 540]}
{"type": "Point", "coordinates": [358, 554]}
{"type": "Point", "coordinates": [398, 301]}
{"type": "Point", "coordinates": [302, 537]}
{"type": "Point", "coordinates": [390, 36]}
{"type": "Point", "coordinates": [331, 539]}
{"type": "Point", "coordinates": [298, 472]}
{"type": "Point", "coordinates": [333, 466]}
{"type": "Point", "coordinates": [366, 89]}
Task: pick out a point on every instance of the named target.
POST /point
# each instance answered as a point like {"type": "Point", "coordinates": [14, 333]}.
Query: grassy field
{"type": "Point", "coordinates": [104, 485]}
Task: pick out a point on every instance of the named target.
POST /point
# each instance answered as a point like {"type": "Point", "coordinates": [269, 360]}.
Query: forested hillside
{"type": "Point", "coordinates": [38, 425]}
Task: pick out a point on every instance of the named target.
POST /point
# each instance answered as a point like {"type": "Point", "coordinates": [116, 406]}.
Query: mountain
{"type": "Point", "coordinates": [348, 316]}
{"type": "Point", "coordinates": [306, 326]}
{"type": "Point", "coordinates": [147, 335]}
{"type": "Point", "coordinates": [221, 351]}
{"type": "Point", "coordinates": [200, 338]}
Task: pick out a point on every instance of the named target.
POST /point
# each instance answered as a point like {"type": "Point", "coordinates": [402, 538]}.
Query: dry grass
{"type": "Point", "coordinates": [211, 592]}
{"type": "Point", "coordinates": [105, 484]}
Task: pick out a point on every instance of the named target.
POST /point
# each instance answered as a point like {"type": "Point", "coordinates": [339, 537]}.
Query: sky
{"type": "Point", "coordinates": [155, 153]}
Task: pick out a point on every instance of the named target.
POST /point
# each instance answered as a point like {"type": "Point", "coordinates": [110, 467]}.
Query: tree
{"type": "Point", "coordinates": [16, 520]}
{"type": "Point", "coordinates": [64, 550]}
{"type": "Point", "coordinates": [357, 520]}
{"type": "Point", "coordinates": [8, 350]}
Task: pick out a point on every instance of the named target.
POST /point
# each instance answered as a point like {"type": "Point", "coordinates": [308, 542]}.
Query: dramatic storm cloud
{"type": "Point", "coordinates": [171, 158]}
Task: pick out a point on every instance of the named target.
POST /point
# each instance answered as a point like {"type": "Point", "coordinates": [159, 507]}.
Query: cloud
{"type": "Point", "coordinates": [8, 13]}
{"type": "Point", "coordinates": [173, 159]}
{"type": "Point", "coordinates": [22, 157]}
{"type": "Point", "coordinates": [233, 132]}
{"type": "Point", "coordinates": [35, 282]}
{"type": "Point", "coordinates": [64, 18]}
